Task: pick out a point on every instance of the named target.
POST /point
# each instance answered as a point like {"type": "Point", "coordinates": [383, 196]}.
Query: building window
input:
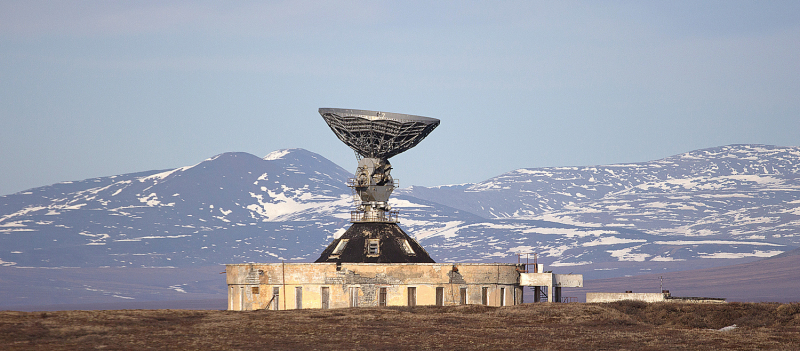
{"type": "Point", "coordinates": [276, 297]}
{"type": "Point", "coordinates": [412, 296]}
{"type": "Point", "coordinates": [326, 297]}
{"type": "Point", "coordinates": [353, 297]}
{"type": "Point", "coordinates": [373, 247]}
{"type": "Point", "coordinates": [484, 295]}
{"type": "Point", "coordinates": [254, 290]}
{"type": "Point", "coordinates": [407, 248]}
{"type": "Point", "coordinates": [298, 297]}
{"type": "Point", "coordinates": [463, 296]}
{"type": "Point", "coordinates": [340, 247]}
{"type": "Point", "coordinates": [382, 297]}
{"type": "Point", "coordinates": [502, 297]}
{"type": "Point", "coordinates": [439, 296]}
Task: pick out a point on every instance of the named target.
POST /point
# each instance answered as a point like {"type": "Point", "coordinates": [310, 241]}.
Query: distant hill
{"type": "Point", "coordinates": [735, 191]}
{"type": "Point", "coordinates": [702, 209]}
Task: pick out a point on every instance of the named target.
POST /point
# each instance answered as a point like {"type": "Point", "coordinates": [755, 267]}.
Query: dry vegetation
{"type": "Point", "coordinates": [617, 326]}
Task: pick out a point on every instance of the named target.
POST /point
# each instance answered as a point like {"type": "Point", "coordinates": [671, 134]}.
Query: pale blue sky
{"type": "Point", "coordinates": [97, 88]}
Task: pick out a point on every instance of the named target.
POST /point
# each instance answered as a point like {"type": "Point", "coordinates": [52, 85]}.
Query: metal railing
{"type": "Point", "coordinates": [374, 216]}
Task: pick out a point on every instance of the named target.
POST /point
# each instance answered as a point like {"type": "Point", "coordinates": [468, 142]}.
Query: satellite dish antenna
{"type": "Point", "coordinates": [375, 137]}
{"type": "Point", "coordinates": [377, 134]}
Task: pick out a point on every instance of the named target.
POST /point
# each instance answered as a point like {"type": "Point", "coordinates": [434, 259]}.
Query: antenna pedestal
{"type": "Point", "coordinates": [373, 184]}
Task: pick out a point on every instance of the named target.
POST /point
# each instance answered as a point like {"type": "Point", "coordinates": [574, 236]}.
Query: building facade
{"type": "Point", "coordinates": [286, 286]}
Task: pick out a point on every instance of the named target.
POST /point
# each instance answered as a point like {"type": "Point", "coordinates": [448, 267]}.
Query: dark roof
{"type": "Point", "coordinates": [393, 246]}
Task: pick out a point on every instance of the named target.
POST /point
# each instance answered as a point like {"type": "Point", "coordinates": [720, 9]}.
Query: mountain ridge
{"type": "Point", "coordinates": [717, 210]}
{"type": "Point", "coordinates": [288, 204]}
{"type": "Point", "coordinates": [573, 194]}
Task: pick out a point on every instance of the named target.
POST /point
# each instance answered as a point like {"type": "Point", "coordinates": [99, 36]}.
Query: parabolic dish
{"type": "Point", "coordinates": [378, 134]}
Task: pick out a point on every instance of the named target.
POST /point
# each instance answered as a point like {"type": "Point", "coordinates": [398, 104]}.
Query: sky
{"type": "Point", "coordinates": [99, 88]}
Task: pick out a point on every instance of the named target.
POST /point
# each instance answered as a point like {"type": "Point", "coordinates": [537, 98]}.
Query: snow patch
{"type": "Point", "coordinates": [626, 254]}
{"type": "Point", "coordinates": [534, 172]}
{"type": "Point", "coordinates": [398, 203]}
{"type": "Point", "coordinates": [568, 232]}
{"type": "Point", "coordinates": [152, 201]}
{"type": "Point", "coordinates": [23, 212]}
{"type": "Point", "coordinates": [276, 155]}
{"type": "Point", "coordinates": [612, 240]}
{"type": "Point", "coordinates": [712, 242]}
{"type": "Point", "coordinates": [281, 207]}
{"type": "Point", "coordinates": [523, 249]}
{"type": "Point", "coordinates": [449, 231]}
{"type": "Point", "coordinates": [666, 259]}
{"type": "Point", "coordinates": [154, 237]}
{"type": "Point", "coordinates": [178, 288]}
{"type": "Point", "coordinates": [162, 175]}
{"type": "Point", "coordinates": [756, 253]}
{"type": "Point", "coordinates": [554, 251]}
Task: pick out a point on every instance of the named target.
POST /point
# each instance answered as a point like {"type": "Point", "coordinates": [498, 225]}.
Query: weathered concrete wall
{"type": "Point", "coordinates": [696, 300]}
{"type": "Point", "coordinates": [568, 280]}
{"type": "Point", "coordinates": [251, 286]}
{"type": "Point", "coordinates": [611, 297]}
{"type": "Point", "coordinates": [536, 279]}
{"type": "Point", "coordinates": [550, 279]}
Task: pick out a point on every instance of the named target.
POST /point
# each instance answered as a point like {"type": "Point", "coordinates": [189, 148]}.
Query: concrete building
{"type": "Point", "coordinates": [375, 263]}
{"type": "Point", "coordinates": [286, 286]}
{"type": "Point", "coordinates": [279, 286]}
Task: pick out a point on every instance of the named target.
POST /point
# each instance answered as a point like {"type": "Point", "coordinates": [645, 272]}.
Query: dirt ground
{"type": "Point", "coordinates": [573, 326]}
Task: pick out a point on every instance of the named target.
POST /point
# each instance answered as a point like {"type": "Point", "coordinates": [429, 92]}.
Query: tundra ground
{"type": "Point", "coordinates": [573, 326]}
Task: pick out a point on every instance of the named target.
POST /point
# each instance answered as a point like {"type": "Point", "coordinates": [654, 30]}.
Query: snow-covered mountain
{"type": "Point", "coordinates": [233, 204]}
{"type": "Point", "coordinates": [689, 210]}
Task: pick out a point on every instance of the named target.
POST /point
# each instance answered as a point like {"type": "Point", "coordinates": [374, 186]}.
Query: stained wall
{"type": "Point", "coordinates": [302, 285]}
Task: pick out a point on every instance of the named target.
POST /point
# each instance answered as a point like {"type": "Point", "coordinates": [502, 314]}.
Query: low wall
{"type": "Point", "coordinates": [611, 297]}
{"type": "Point", "coordinates": [696, 299]}
{"type": "Point", "coordinates": [568, 280]}
{"type": "Point", "coordinates": [536, 279]}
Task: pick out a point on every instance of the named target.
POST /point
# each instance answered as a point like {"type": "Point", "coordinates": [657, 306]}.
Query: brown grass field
{"type": "Point", "coordinates": [572, 326]}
